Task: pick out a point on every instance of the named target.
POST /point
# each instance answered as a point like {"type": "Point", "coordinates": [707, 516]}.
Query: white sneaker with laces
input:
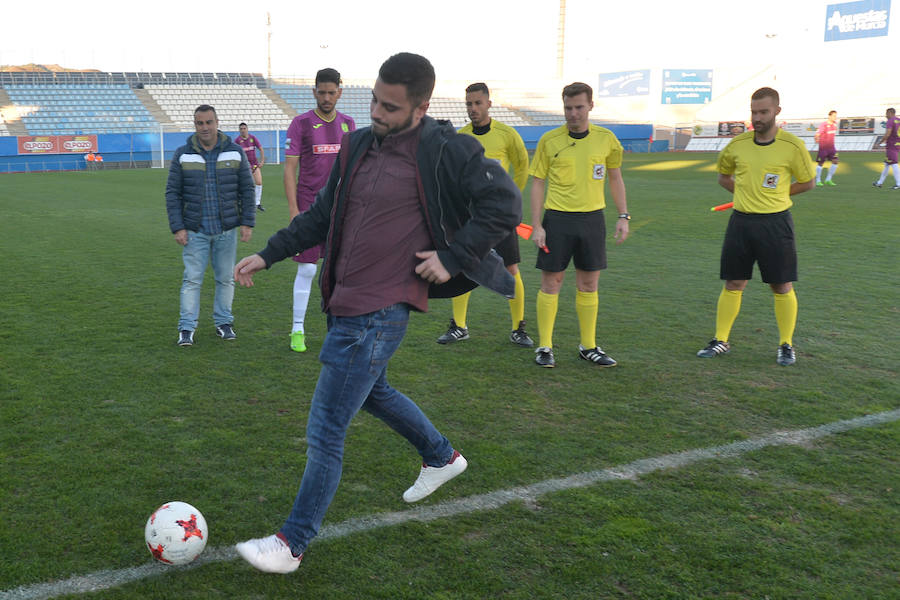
{"type": "Point", "coordinates": [431, 478]}
{"type": "Point", "coordinates": [269, 554]}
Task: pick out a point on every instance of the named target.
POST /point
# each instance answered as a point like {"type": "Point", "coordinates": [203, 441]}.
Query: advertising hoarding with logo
{"type": "Point", "coordinates": [57, 144]}
{"type": "Point", "coordinates": [687, 86]}
{"type": "Point", "coordinates": [624, 83]}
{"type": "Point", "coordinates": [852, 20]}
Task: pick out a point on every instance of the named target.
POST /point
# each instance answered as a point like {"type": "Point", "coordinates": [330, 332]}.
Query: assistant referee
{"type": "Point", "coordinates": [763, 168]}
{"type": "Point", "coordinates": [569, 171]}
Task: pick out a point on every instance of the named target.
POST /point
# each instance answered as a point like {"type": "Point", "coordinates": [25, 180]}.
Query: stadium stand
{"type": "Point", "coordinates": [79, 108]}
{"type": "Point", "coordinates": [233, 103]}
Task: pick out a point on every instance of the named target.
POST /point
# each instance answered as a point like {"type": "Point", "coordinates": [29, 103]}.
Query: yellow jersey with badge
{"type": "Point", "coordinates": [503, 144]}
{"type": "Point", "coordinates": [575, 169]}
{"type": "Point", "coordinates": [763, 172]}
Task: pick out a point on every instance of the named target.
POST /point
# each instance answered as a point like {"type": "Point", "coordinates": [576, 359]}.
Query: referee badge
{"type": "Point", "coordinates": [771, 180]}
{"type": "Point", "coordinates": [599, 171]}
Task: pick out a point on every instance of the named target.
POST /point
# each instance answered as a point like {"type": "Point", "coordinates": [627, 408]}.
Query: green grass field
{"type": "Point", "coordinates": [104, 417]}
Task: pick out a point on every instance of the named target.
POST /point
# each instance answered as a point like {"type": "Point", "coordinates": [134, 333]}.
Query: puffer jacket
{"type": "Point", "coordinates": [469, 202]}
{"type": "Point", "coordinates": [187, 184]}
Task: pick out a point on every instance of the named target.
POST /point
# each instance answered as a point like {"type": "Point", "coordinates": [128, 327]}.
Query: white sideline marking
{"type": "Point", "coordinates": [101, 580]}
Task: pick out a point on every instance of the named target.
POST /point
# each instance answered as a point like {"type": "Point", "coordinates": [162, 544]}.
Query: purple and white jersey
{"type": "Point", "coordinates": [317, 143]}
{"type": "Point", "coordinates": [249, 146]}
{"type": "Point", "coordinates": [892, 131]}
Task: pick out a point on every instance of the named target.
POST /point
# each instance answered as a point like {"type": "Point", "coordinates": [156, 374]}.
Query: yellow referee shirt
{"type": "Point", "coordinates": [504, 144]}
{"type": "Point", "coordinates": [575, 170]}
{"type": "Point", "coordinates": [763, 173]}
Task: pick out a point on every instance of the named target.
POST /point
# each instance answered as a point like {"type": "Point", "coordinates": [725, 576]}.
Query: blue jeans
{"type": "Point", "coordinates": [354, 359]}
{"type": "Point", "coordinates": [201, 250]}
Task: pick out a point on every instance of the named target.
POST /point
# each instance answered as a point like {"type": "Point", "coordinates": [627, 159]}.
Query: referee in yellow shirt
{"type": "Point", "coordinates": [503, 144]}
{"type": "Point", "coordinates": [758, 167]}
{"type": "Point", "coordinates": [569, 171]}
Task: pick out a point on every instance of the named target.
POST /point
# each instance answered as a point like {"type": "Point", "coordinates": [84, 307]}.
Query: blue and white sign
{"type": "Point", "coordinates": [851, 20]}
{"type": "Point", "coordinates": [687, 86]}
{"type": "Point", "coordinates": [624, 83]}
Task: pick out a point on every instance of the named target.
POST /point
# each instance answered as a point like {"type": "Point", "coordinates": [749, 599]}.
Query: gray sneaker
{"type": "Point", "coordinates": [786, 355]}
{"type": "Point", "coordinates": [520, 338]}
{"type": "Point", "coordinates": [226, 331]}
{"type": "Point", "coordinates": [185, 337]}
{"type": "Point", "coordinates": [455, 333]}
{"type": "Point", "coordinates": [544, 357]}
{"type": "Point", "coordinates": [714, 348]}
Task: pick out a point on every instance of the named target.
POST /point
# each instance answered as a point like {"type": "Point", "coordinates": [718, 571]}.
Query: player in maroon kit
{"type": "Point", "coordinates": [827, 151]}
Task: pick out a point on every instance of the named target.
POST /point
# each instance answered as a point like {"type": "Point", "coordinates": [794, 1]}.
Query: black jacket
{"type": "Point", "coordinates": [186, 186]}
{"type": "Point", "coordinates": [470, 204]}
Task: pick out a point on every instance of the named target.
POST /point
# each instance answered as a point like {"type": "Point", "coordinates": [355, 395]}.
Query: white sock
{"type": "Point", "coordinates": [258, 194]}
{"type": "Point", "coordinates": [831, 171]}
{"type": "Point", "coordinates": [884, 173]}
{"type": "Point", "coordinates": [896, 169]}
{"type": "Point", "coordinates": [818, 173]}
{"type": "Point", "coordinates": [306, 272]}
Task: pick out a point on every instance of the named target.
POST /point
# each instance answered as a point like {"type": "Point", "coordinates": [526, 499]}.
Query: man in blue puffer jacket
{"type": "Point", "coordinates": [209, 194]}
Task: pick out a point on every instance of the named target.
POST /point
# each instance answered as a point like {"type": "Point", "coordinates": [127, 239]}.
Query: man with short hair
{"type": "Point", "coordinates": [569, 171]}
{"type": "Point", "coordinates": [758, 167]}
{"type": "Point", "coordinates": [313, 142]}
{"type": "Point", "coordinates": [209, 194]}
{"type": "Point", "coordinates": [827, 151]}
{"type": "Point", "coordinates": [250, 144]}
{"type": "Point", "coordinates": [411, 210]}
{"type": "Point", "coordinates": [891, 145]}
{"type": "Point", "coordinates": [503, 144]}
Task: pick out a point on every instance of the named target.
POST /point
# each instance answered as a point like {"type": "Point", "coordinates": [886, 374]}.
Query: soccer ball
{"type": "Point", "coordinates": [176, 533]}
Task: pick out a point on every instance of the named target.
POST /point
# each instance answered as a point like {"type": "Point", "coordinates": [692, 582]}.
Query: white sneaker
{"type": "Point", "coordinates": [431, 478]}
{"type": "Point", "coordinates": [269, 554]}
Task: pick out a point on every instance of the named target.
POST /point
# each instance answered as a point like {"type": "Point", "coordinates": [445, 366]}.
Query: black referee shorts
{"type": "Point", "coordinates": [767, 240]}
{"type": "Point", "coordinates": [508, 249]}
{"type": "Point", "coordinates": [579, 237]}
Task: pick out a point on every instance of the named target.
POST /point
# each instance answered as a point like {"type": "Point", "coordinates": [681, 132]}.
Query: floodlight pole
{"type": "Point", "coordinates": [269, 46]}
{"type": "Point", "coordinates": [561, 39]}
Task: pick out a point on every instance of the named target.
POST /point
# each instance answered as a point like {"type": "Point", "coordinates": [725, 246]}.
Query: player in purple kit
{"type": "Point", "coordinates": [827, 151]}
{"type": "Point", "coordinates": [249, 144]}
{"type": "Point", "coordinates": [313, 143]}
{"type": "Point", "coordinates": [892, 149]}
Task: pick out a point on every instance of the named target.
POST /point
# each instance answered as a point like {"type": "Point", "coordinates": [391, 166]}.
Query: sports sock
{"type": "Point", "coordinates": [786, 316]}
{"type": "Point", "coordinates": [546, 307]}
{"type": "Point", "coordinates": [896, 169]}
{"type": "Point", "coordinates": [461, 309]}
{"type": "Point", "coordinates": [306, 272]}
{"type": "Point", "coordinates": [517, 304]}
{"type": "Point", "coordinates": [884, 174]}
{"type": "Point", "coordinates": [818, 173]}
{"type": "Point", "coordinates": [258, 194]}
{"type": "Point", "coordinates": [727, 311]}
{"type": "Point", "coordinates": [831, 171]}
{"type": "Point", "coordinates": [586, 305]}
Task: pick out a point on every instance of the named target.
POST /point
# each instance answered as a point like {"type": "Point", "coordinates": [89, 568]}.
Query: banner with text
{"type": "Point", "coordinates": [57, 144]}
{"type": "Point", "coordinates": [684, 86]}
{"type": "Point", "coordinates": [852, 20]}
{"type": "Point", "coordinates": [624, 83]}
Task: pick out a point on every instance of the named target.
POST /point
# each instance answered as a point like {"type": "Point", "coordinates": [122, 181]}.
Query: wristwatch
{"type": "Point", "coordinates": [625, 216]}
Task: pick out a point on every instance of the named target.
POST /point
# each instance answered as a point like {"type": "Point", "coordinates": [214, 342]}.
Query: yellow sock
{"type": "Point", "coordinates": [586, 305]}
{"type": "Point", "coordinates": [726, 312]}
{"type": "Point", "coordinates": [546, 317]}
{"type": "Point", "coordinates": [460, 309]}
{"type": "Point", "coordinates": [786, 316]}
{"type": "Point", "coordinates": [517, 304]}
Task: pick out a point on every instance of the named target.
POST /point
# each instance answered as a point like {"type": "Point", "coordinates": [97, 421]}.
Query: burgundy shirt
{"type": "Point", "coordinates": [383, 228]}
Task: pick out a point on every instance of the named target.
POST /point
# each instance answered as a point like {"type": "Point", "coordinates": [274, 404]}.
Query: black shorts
{"type": "Point", "coordinates": [767, 239]}
{"type": "Point", "coordinates": [576, 236]}
{"type": "Point", "coordinates": [508, 249]}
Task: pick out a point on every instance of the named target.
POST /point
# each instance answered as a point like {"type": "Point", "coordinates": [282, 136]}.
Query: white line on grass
{"type": "Point", "coordinates": [101, 580]}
